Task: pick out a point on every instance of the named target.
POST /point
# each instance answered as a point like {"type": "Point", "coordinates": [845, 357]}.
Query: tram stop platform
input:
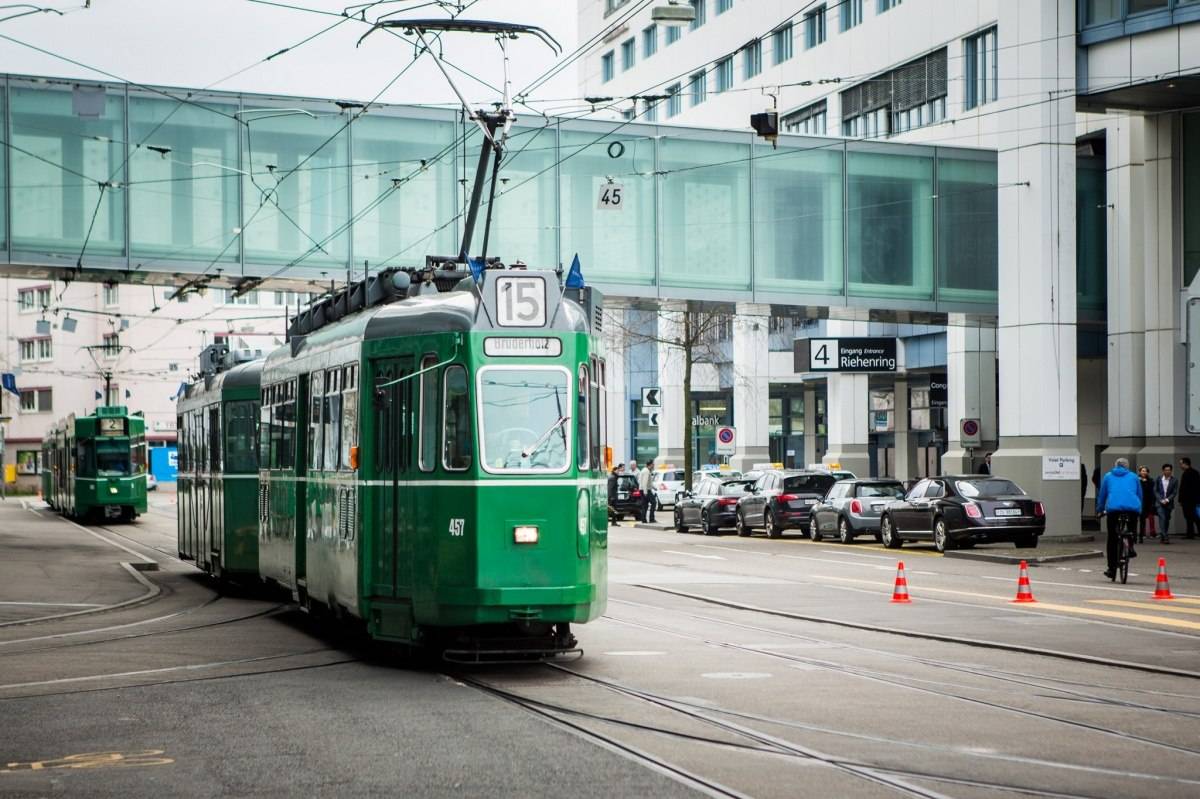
{"type": "Point", "coordinates": [51, 567]}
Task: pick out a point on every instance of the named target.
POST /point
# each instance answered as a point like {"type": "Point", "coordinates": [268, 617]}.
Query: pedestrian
{"type": "Point", "coordinates": [1096, 483]}
{"type": "Point", "coordinates": [1120, 496]}
{"type": "Point", "coordinates": [1166, 491]}
{"type": "Point", "coordinates": [1147, 521]}
{"type": "Point", "coordinates": [633, 469]}
{"type": "Point", "coordinates": [1082, 486]}
{"type": "Point", "coordinates": [614, 477]}
{"type": "Point", "coordinates": [646, 484]}
{"type": "Point", "coordinates": [1189, 495]}
{"type": "Point", "coordinates": [986, 466]}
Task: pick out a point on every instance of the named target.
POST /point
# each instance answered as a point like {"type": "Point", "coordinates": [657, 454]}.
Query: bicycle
{"type": "Point", "coordinates": [1125, 535]}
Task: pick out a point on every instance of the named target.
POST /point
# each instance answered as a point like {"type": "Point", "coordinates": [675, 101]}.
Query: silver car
{"type": "Point", "coordinates": [853, 507]}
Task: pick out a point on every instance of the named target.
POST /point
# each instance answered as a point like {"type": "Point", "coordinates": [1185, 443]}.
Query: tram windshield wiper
{"type": "Point", "coordinates": [559, 422]}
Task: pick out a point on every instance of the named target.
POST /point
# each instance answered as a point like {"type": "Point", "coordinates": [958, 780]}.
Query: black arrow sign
{"type": "Point", "coordinates": [652, 398]}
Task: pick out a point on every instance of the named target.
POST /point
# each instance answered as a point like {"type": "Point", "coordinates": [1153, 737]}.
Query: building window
{"type": "Point", "coordinates": [724, 70]}
{"type": "Point", "coordinates": [981, 79]}
{"type": "Point", "coordinates": [674, 100]}
{"type": "Point", "coordinates": [814, 27]}
{"type": "Point", "coordinates": [112, 294]}
{"type": "Point", "coordinates": [112, 394]}
{"type": "Point", "coordinates": [28, 350]}
{"type": "Point", "coordinates": [628, 54]}
{"type": "Point", "coordinates": [45, 349]}
{"type": "Point", "coordinates": [752, 58]}
{"type": "Point", "coordinates": [781, 44]}
{"type": "Point", "coordinates": [808, 121]}
{"type": "Point", "coordinates": [674, 32]}
{"type": "Point", "coordinates": [697, 88]}
{"type": "Point", "coordinates": [33, 299]}
{"type": "Point", "coordinates": [612, 5]}
{"type": "Point", "coordinates": [248, 298]}
{"type": "Point", "coordinates": [701, 9]}
{"type": "Point", "coordinates": [724, 5]}
{"type": "Point", "coordinates": [649, 41]}
{"type": "Point", "coordinates": [884, 5]}
{"type": "Point", "coordinates": [650, 113]}
{"type": "Point", "coordinates": [606, 67]}
{"type": "Point", "coordinates": [112, 345]}
{"type": "Point", "coordinates": [25, 300]}
{"type": "Point", "coordinates": [910, 96]}
{"type": "Point", "coordinates": [36, 400]}
{"type": "Point", "coordinates": [645, 437]}
{"type": "Point", "coordinates": [629, 113]}
{"type": "Point", "coordinates": [852, 14]}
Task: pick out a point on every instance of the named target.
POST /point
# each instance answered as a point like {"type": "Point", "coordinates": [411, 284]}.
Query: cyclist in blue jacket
{"type": "Point", "coordinates": [1120, 497]}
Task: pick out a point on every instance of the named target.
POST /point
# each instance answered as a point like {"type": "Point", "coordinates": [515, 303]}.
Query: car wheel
{"type": "Point", "coordinates": [814, 529]}
{"type": "Point", "coordinates": [887, 534]}
{"type": "Point", "coordinates": [742, 529]}
{"type": "Point", "coordinates": [941, 541]}
{"type": "Point", "coordinates": [706, 524]}
{"type": "Point", "coordinates": [680, 527]}
{"type": "Point", "coordinates": [1027, 542]}
{"type": "Point", "coordinates": [845, 534]}
{"type": "Point", "coordinates": [770, 525]}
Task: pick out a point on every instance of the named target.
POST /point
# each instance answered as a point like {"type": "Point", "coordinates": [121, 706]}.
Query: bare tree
{"type": "Point", "coordinates": [692, 333]}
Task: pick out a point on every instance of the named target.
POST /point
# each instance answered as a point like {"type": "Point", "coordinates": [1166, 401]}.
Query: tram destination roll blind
{"type": "Point", "coordinates": [844, 355]}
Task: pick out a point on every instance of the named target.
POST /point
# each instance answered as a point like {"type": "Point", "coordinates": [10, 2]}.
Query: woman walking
{"type": "Point", "coordinates": [1149, 515]}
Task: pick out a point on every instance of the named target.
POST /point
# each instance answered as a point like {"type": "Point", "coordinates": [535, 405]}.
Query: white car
{"type": "Point", "coordinates": [151, 482]}
{"type": "Point", "coordinates": [667, 485]}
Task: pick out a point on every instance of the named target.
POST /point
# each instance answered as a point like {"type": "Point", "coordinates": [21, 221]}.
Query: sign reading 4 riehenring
{"type": "Point", "coordinates": [521, 301]}
{"type": "Point", "coordinates": [845, 355]}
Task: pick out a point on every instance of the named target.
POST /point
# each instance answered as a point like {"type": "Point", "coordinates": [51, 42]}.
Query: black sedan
{"type": "Point", "coordinates": [628, 501]}
{"type": "Point", "coordinates": [961, 511]}
{"type": "Point", "coordinates": [712, 505]}
{"type": "Point", "coordinates": [853, 507]}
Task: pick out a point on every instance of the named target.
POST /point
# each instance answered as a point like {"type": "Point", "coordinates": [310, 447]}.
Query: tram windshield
{"type": "Point", "coordinates": [113, 462]}
{"type": "Point", "coordinates": [526, 419]}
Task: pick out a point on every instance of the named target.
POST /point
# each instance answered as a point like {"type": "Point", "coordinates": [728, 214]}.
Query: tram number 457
{"type": "Point", "coordinates": [612, 197]}
{"type": "Point", "coordinates": [457, 526]}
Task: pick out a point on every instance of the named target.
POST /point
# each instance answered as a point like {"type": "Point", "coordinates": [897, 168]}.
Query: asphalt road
{"type": "Point", "coordinates": [724, 666]}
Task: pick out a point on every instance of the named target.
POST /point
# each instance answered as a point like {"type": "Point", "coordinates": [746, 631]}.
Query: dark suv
{"type": "Point", "coordinates": [781, 499]}
{"type": "Point", "coordinates": [628, 501]}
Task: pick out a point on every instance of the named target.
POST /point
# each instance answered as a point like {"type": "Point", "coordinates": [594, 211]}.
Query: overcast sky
{"type": "Point", "coordinates": [194, 43]}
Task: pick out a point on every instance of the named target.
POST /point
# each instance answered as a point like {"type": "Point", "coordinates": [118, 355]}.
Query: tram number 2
{"type": "Point", "coordinates": [521, 301]}
{"type": "Point", "coordinates": [612, 197]}
{"type": "Point", "coordinates": [456, 527]}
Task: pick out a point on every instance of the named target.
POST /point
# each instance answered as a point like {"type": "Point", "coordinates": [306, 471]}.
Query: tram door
{"type": "Point", "coordinates": [393, 501]}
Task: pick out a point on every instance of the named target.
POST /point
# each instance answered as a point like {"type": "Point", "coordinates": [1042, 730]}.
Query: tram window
{"type": "Point", "coordinates": [427, 430]}
{"type": "Point", "coordinates": [214, 438]}
{"type": "Point", "coordinates": [264, 435]}
{"type": "Point", "coordinates": [112, 460]}
{"type": "Point", "coordinates": [456, 420]}
{"type": "Point", "coordinates": [139, 455]}
{"type": "Point", "coordinates": [332, 414]}
{"type": "Point", "coordinates": [582, 416]}
{"type": "Point", "coordinates": [314, 422]}
{"type": "Point", "coordinates": [594, 437]}
{"type": "Point", "coordinates": [239, 437]}
{"type": "Point", "coordinates": [349, 414]}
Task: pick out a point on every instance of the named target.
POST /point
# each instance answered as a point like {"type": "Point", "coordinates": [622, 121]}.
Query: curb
{"type": "Point", "coordinates": [999, 557]}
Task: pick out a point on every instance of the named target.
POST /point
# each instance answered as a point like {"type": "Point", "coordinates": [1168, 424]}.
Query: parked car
{"type": "Point", "coordinates": [961, 511]}
{"type": "Point", "coordinates": [853, 507]}
{"type": "Point", "coordinates": [781, 499]}
{"type": "Point", "coordinates": [667, 486]}
{"type": "Point", "coordinates": [628, 501]}
{"type": "Point", "coordinates": [720, 472]}
{"type": "Point", "coordinates": [151, 482]}
{"type": "Point", "coordinates": [712, 505]}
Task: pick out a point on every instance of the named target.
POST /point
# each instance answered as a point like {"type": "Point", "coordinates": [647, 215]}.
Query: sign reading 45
{"type": "Point", "coordinates": [611, 197]}
{"type": "Point", "coordinates": [521, 301]}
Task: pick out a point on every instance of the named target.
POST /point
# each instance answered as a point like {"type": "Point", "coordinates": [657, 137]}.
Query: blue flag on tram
{"type": "Point", "coordinates": [476, 265]}
{"type": "Point", "coordinates": [8, 382]}
{"type": "Point", "coordinates": [575, 275]}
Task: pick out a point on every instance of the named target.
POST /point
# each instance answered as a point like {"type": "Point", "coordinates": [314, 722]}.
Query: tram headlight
{"type": "Point", "coordinates": [583, 512]}
{"type": "Point", "coordinates": [525, 534]}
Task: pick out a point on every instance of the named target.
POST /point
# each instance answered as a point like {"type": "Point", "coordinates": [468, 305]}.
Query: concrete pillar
{"type": "Point", "coordinates": [1127, 215]}
{"type": "Point", "coordinates": [846, 421]}
{"type": "Point", "coordinates": [616, 387]}
{"type": "Point", "coordinates": [751, 385]}
{"type": "Point", "coordinates": [906, 441]}
{"type": "Point", "coordinates": [1165, 297]}
{"type": "Point", "coordinates": [810, 424]}
{"type": "Point", "coordinates": [1037, 287]}
{"type": "Point", "coordinates": [971, 393]}
{"type": "Point", "coordinates": [670, 380]}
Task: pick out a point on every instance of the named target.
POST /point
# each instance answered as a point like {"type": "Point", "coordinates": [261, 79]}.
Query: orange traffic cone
{"type": "Point", "coordinates": [900, 592]}
{"type": "Point", "coordinates": [1162, 588]}
{"type": "Point", "coordinates": [1024, 591]}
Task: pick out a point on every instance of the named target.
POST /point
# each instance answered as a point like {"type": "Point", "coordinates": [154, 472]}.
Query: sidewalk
{"type": "Point", "coordinates": [50, 567]}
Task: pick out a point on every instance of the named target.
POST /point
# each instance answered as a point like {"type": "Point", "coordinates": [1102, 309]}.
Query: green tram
{"type": "Point", "coordinates": [217, 482]}
{"type": "Point", "coordinates": [94, 467]}
{"type": "Point", "coordinates": [430, 461]}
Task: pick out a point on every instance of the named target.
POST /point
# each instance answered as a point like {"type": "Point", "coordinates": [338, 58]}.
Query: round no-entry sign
{"type": "Point", "coordinates": [725, 440]}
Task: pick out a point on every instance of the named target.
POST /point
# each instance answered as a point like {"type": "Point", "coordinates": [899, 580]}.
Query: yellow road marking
{"type": "Point", "coordinates": [1147, 605]}
{"type": "Point", "coordinates": [900, 554]}
{"type": "Point", "coordinates": [1108, 614]}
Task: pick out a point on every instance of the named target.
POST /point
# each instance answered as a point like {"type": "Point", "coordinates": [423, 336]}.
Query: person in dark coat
{"type": "Point", "coordinates": [612, 487]}
{"type": "Point", "coordinates": [1166, 492]}
{"type": "Point", "coordinates": [1189, 495]}
{"type": "Point", "coordinates": [986, 466]}
{"type": "Point", "coordinates": [1082, 486]}
{"type": "Point", "coordinates": [1149, 514]}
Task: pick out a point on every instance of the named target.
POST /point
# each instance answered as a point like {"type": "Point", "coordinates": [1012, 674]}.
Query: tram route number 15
{"type": "Point", "coordinates": [521, 301]}
{"type": "Point", "coordinates": [612, 197]}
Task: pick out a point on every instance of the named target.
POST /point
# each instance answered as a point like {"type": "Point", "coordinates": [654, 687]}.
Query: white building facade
{"type": "Point", "coordinates": [1088, 106]}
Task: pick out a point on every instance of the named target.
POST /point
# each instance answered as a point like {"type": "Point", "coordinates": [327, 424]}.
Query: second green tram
{"type": "Point", "coordinates": [434, 466]}
{"type": "Point", "coordinates": [94, 467]}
